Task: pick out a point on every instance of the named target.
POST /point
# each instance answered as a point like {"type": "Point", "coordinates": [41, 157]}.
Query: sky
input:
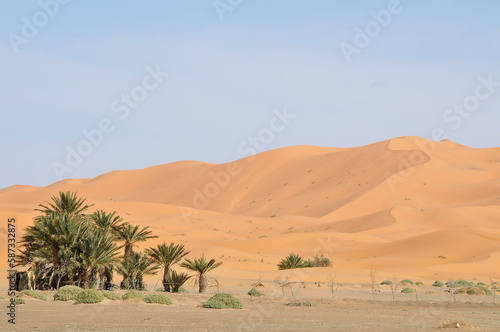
{"type": "Point", "coordinates": [93, 86]}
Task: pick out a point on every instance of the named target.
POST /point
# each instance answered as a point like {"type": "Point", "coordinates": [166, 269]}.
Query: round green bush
{"type": "Point", "coordinates": [67, 293]}
{"type": "Point", "coordinates": [438, 283]}
{"type": "Point", "coordinates": [407, 282]}
{"type": "Point", "coordinates": [386, 282]}
{"type": "Point", "coordinates": [33, 294]}
{"type": "Point", "coordinates": [301, 303]}
{"type": "Point", "coordinates": [223, 301]}
{"type": "Point", "coordinates": [158, 298]}
{"type": "Point", "coordinates": [111, 295]}
{"type": "Point", "coordinates": [419, 283]}
{"type": "Point", "coordinates": [254, 292]}
{"type": "Point", "coordinates": [89, 296]}
{"type": "Point", "coordinates": [20, 301]}
{"type": "Point", "coordinates": [408, 290]}
{"type": "Point", "coordinates": [132, 294]}
{"type": "Point", "coordinates": [474, 290]}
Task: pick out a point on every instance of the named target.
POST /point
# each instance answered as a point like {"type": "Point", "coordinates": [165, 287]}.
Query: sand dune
{"type": "Point", "coordinates": [400, 205]}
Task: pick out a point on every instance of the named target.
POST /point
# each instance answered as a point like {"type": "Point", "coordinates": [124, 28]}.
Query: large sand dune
{"type": "Point", "coordinates": [410, 206]}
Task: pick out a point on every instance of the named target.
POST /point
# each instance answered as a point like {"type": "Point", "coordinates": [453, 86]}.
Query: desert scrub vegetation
{"type": "Point", "coordinates": [408, 290]}
{"type": "Point", "coordinates": [67, 293]}
{"type": "Point", "coordinates": [158, 298]}
{"type": "Point", "coordinates": [474, 290]}
{"type": "Point", "coordinates": [33, 294]}
{"type": "Point", "coordinates": [459, 284]}
{"type": "Point", "coordinates": [301, 303]}
{"type": "Point", "coordinates": [89, 296]}
{"type": "Point", "coordinates": [111, 295]}
{"type": "Point", "coordinates": [254, 293]}
{"type": "Point", "coordinates": [20, 301]}
{"type": "Point", "coordinates": [386, 282]}
{"type": "Point", "coordinates": [223, 301]}
{"type": "Point", "coordinates": [406, 282]}
{"type": "Point", "coordinates": [293, 261]}
{"type": "Point", "coordinates": [419, 283]}
{"type": "Point", "coordinates": [438, 283]}
{"type": "Point", "coordinates": [132, 295]}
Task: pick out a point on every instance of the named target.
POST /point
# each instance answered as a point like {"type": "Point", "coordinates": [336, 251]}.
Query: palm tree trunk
{"type": "Point", "coordinates": [55, 259]}
{"type": "Point", "coordinates": [166, 284]}
{"type": "Point", "coordinates": [85, 279]}
{"type": "Point", "coordinates": [203, 283]}
{"type": "Point", "coordinates": [129, 250]}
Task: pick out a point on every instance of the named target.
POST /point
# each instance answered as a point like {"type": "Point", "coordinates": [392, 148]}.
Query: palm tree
{"type": "Point", "coordinates": [66, 203]}
{"type": "Point", "coordinates": [292, 261]}
{"type": "Point", "coordinates": [131, 235]}
{"type": "Point", "coordinates": [201, 267]}
{"type": "Point", "coordinates": [134, 268]}
{"type": "Point", "coordinates": [177, 280]}
{"type": "Point", "coordinates": [96, 250]}
{"type": "Point", "coordinates": [54, 232]}
{"type": "Point", "coordinates": [106, 221]}
{"type": "Point", "coordinates": [167, 256]}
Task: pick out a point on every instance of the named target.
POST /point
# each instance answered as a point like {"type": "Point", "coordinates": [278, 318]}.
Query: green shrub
{"type": "Point", "coordinates": [406, 282]}
{"type": "Point", "coordinates": [438, 283]}
{"type": "Point", "coordinates": [408, 290]}
{"type": "Point", "coordinates": [132, 294]}
{"type": "Point", "coordinates": [481, 284]}
{"type": "Point", "coordinates": [301, 303]}
{"type": "Point", "coordinates": [459, 283]}
{"type": "Point", "coordinates": [386, 282]}
{"type": "Point", "coordinates": [67, 293]}
{"type": "Point", "coordinates": [111, 295]}
{"type": "Point", "coordinates": [158, 298]}
{"type": "Point", "coordinates": [89, 296]}
{"type": "Point", "coordinates": [183, 290]}
{"type": "Point", "coordinates": [33, 294]}
{"type": "Point", "coordinates": [419, 283]}
{"type": "Point", "coordinates": [20, 301]}
{"type": "Point", "coordinates": [161, 289]}
{"type": "Point", "coordinates": [254, 292]}
{"type": "Point", "coordinates": [474, 290]}
{"type": "Point", "coordinates": [223, 301]}
{"type": "Point", "coordinates": [429, 293]}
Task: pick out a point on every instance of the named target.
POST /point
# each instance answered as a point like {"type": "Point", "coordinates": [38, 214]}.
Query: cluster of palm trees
{"type": "Point", "coordinates": [67, 246]}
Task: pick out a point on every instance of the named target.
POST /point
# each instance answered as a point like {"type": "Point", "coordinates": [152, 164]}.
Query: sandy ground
{"type": "Point", "coordinates": [352, 310]}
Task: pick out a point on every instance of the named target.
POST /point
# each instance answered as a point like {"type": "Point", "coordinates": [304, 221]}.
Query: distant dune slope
{"type": "Point", "coordinates": [401, 204]}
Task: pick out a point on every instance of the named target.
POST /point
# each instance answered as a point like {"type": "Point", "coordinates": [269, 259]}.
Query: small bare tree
{"type": "Point", "coordinates": [283, 282]}
{"type": "Point", "coordinates": [374, 283]}
{"type": "Point", "coordinates": [451, 289]}
{"type": "Point", "coordinates": [394, 286]}
{"type": "Point", "coordinates": [332, 284]}
{"type": "Point", "coordinates": [493, 287]}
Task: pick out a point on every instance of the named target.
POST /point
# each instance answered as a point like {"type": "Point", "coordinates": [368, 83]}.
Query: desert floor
{"type": "Point", "coordinates": [352, 310]}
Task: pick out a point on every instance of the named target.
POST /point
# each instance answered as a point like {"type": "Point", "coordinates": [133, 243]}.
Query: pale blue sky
{"type": "Point", "coordinates": [226, 78]}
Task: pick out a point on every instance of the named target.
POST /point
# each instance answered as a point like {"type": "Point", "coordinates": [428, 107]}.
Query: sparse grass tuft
{"type": "Point", "coordinates": [406, 282]}
{"type": "Point", "coordinates": [20, 301]}
{"type": "Point", "coordinates": [89, 296]}
{"type": "Point", "coordinates": [183, 290]}
{"type": "Point", "coordinates": [429, 293]}
{"type": "Point", "coordinates": [419, 283]}
{"type": "Point", "coordinates": [33, 294]}
{"type": "Point", "coordinates": [386, 282]}
{"type": "Point", "coordinates": [131, 295]}
{"type": "Point", "coordinates": [255, 293]}
{"type": "Point", "coordinates": [301, 303]}
{"type": "Point", "coordinates": [438, 283]}
{"type": "Point", "coordinates": [67, 293]}
{"type": "Point", "coordinates": [408, 290]}
{"type": "Point", "coordinates": [111, 295]}
{"type": "Point", "coordinates": [158, 298]}
{"type": "Point", "coordinates": [223, 301]}
{"type": "Point", "coordinates": [458, 324]}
